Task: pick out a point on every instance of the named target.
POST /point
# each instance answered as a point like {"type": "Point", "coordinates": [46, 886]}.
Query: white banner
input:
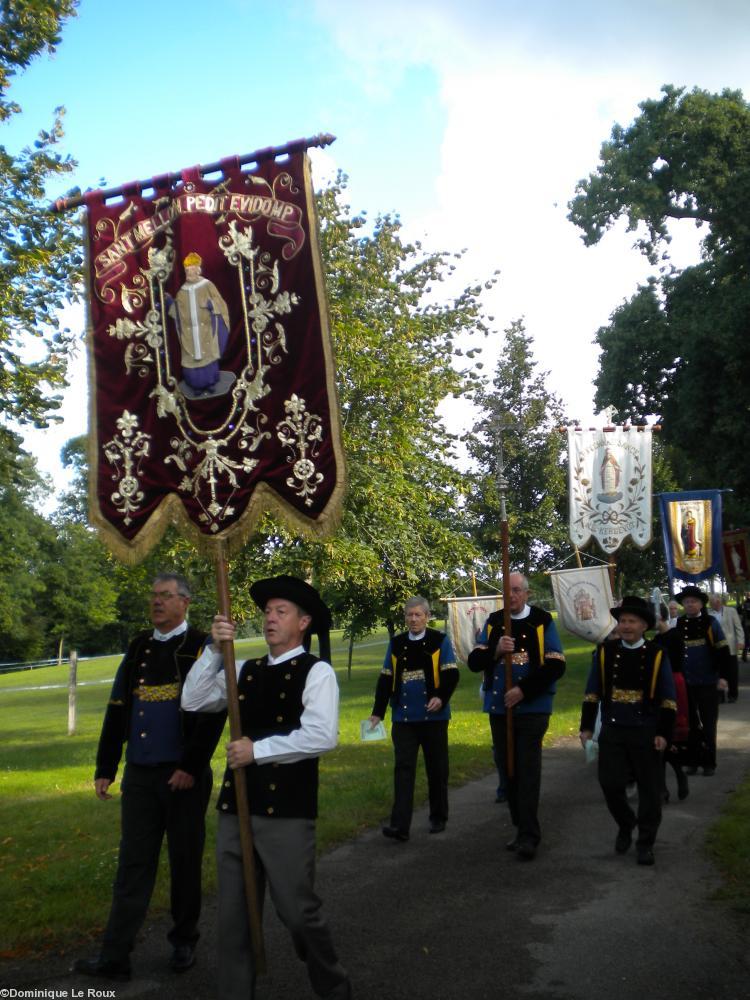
{"type": "Point", "coordinates": [583, 598]}
{"type": "Point", "coordinates": [466, 618]}
{"type": "Point", "coordinates": [610, 487]}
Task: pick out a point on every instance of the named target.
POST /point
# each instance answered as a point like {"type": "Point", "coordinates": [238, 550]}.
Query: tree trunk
{"type": "Point", "coordinates": [349, 663]}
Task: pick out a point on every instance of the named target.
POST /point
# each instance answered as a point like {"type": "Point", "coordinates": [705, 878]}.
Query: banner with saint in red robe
{"type": "Point", "coordinates": [691, 528]}
{"type": "Point", "coordinates": [211, 371]}
{"type": "Point", "coordinates": [736, 548]}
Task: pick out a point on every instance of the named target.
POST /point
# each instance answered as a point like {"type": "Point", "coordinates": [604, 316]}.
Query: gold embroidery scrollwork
{"type": "Point", "coordinates": [125, 453]}
{"type": "Point", "coordinates": [144, 335]}
{"type": "Point", "coordinates": [302, 433]}
{"type": "Point", "coordinates": [212, 467]}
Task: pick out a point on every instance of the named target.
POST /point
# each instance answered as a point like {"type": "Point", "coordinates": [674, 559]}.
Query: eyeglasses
{"type": "Point", "coordinates": [164, 595]}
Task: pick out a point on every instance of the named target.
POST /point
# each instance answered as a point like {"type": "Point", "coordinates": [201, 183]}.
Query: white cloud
{"type": "Point", "coordinates": [529, 92]}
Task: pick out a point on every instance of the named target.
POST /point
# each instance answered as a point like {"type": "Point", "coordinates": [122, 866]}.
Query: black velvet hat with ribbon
{"type": "Point", "coordinates": [305, 596]}
{"type": "Point", "coordinates": [692, 591]}
{"type": "Point", "coordinates": [635, 606]}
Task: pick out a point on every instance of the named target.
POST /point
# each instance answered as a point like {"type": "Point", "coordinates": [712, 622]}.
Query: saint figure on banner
{"type": "Point", "coordinates": [202, 320]}
{"type": "Point", "coordinates": [584, 605]}
{"type": "Point", "coordinates": [609, 474]}
{"type": "Point", "coordinates": [691, 542]}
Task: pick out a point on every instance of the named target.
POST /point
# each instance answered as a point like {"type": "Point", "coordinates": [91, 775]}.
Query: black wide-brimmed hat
{"type": "Point", "coordinates": [305, 596]}
{"type": "Point", "coordinates": [692, 591]}
{"type": "Point", "coordinates": [635, 606]}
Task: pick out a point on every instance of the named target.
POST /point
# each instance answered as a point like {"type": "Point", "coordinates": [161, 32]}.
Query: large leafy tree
{"type": "Point", "coordinates": [533, 451]}
{"type": "Point", "coordinates": [686, 156]}
{"type": "Point", "coordinates": [395, 339]}
{"type": "Point", "coordinates": [679, 348]}
{"type": "Point", "coordinates": [26, 539]}
{"type": "Point", "coordinates": [39, 251]}
{"type": "Point", "coordinates": [80, 592]}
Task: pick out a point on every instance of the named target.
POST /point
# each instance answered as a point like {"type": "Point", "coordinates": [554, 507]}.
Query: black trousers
{"type": "Point", "coordinates": [149, 810]}
{"type": "Point", "coordinates": [627, 752]}
{"type": "Point", "coordinates": [524, 787]}
{"type": "Point", "coordinates": [703, 706]}
{"type": "Point", "coordinates": [407, 738]}
{"type": "Point", "coordinates": [733, 677]}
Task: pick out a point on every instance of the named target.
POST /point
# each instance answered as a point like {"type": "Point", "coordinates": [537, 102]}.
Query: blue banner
{"type": "Point", "coordinates": [691, 529]}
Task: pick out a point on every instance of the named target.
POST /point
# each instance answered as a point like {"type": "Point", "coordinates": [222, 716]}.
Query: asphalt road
{"type": "Point", "coordinates": [456, 917]}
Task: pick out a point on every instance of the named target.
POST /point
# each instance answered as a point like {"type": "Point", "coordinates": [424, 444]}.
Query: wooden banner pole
{"type": "Point", "coordinates": [240, 784]}
{"type": "Point", "coordinates": [510, 764]}
{"type": "Point", "coordinates": [612, 567]}
{"type": "Point", "coordinates": [505, 423]}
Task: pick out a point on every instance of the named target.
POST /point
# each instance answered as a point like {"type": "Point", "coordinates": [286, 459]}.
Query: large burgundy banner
{"type": "Point", "coordinates": [212, 381]}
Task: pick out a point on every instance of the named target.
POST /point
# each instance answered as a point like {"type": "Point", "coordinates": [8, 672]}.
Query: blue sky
{"type": "Point", "coordinates": [431, 102]}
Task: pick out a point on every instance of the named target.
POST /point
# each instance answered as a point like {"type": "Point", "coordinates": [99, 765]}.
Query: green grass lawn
{"type": "Point", "coordinates": [58, 843]}
{"type": "Point", "coordinates": [728, 845]}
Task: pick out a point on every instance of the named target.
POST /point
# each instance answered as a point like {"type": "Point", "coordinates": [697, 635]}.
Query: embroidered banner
{"type": "Point", "coordinates": [583, 598]}
{"type": "Point", "coordinates": [466, 618]}
{"type": "Point", "coordinates": [736, 548]}
{"type": "Point", "coordinates": [610, 487]}
{"type": "Point", "coordinates": [212, 381]}
{"type": "Point", "coordinates": [691, 529]}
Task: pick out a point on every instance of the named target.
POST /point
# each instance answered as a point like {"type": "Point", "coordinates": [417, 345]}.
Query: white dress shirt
{"type": "Point", "coordinates": [205, 690]}
{"type": "Point", "coordinates": [166, 636]}
{"type": "Point", "coordinates": [523, 613]}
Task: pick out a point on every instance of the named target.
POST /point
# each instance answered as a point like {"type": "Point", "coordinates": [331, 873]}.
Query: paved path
{"type": "Point", "coordinates": [456, 917]}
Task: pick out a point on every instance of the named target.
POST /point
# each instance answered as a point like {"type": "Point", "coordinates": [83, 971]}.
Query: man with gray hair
{"type": "Point", "coordinates": [538, 663]}
{"type": "Point", "coordinates": [419, 676]}
{"type": "Point", "coordinates": [166, 784]}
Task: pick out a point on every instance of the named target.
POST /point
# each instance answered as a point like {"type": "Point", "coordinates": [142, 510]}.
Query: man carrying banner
{"type": "Point", "coordinates": [419, 676]}
{"type": "Point", "coordinates": [289, 703]}
{"type": "Point", "coordinates": [631, 681]}
{"type": "Point", "coordinates": [699, 640]}
{"type": "Point", "coordinates": [538, 663]}
{"type": "Point", "coordinates": [166, 785]}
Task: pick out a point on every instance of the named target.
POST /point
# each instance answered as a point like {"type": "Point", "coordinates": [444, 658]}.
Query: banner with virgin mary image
{"type": "Point", "coordinates": [212, 392]}
{"type": "Point", "coordinates": [610, 486]}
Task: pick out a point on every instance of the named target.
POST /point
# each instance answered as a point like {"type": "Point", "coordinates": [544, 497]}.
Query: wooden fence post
{"type": "Point", "coordinates": [72, 692]}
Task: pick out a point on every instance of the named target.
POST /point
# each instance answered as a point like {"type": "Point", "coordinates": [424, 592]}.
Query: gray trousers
{"type": "Point", "coordinates": [285, 860]}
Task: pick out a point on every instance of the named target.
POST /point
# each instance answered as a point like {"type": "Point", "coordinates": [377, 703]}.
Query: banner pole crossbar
{"type": "Point", "coordinates": [267, 153]}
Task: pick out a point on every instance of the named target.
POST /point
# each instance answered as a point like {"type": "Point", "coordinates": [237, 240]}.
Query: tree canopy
{"type": "Point", "coordinates": [679, 348]}
{"type": "Point", "coordinates": [686, 156]}
{"type": "Point", "coordinates": [40, 256]}
{"type": "Point", "coordinates": [534, 469]}
{"type": "Point", "coordinates": [403, 528]}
